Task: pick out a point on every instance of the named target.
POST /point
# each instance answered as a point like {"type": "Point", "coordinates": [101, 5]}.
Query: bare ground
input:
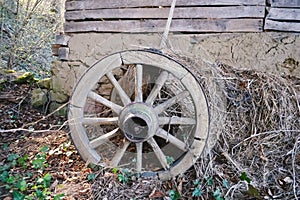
{"type": "Point", "coordinates": [256, 157]}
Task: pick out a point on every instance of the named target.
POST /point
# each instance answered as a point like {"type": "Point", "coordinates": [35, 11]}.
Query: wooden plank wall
{"type": "Point", "coordinates": [284, 15]}
{"type": "Point", "coordinates": [140, 16]}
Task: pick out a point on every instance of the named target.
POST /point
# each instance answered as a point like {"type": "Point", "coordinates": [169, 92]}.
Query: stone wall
{"type": "Point", "coordinates": [270, 52]}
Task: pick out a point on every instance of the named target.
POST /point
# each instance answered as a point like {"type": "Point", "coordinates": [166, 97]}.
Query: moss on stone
{"type": "Point", "coordinates": [27, 77]}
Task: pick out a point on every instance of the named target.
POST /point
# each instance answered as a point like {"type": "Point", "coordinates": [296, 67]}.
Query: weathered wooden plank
{"type": "Point", "coordinates": [162, 13]}
{"type": "Point", "coordinates": [285, 3]}
{"type": "Point", "coordinates": [178, 25]}
{"type": "Point", "coordinates": [282, 26]}
{"type": "Point", "coordinates": [284, 14]}
{"type": "Point", "coordinates": [96, 4]}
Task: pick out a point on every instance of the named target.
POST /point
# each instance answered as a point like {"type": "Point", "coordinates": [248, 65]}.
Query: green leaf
{"type": "Point", "coordinates": [46, 180]}
{"type": "Point", "coordinates": [38, 163]}
{"type": "Point", "coordinates": [122, 178]}
{"type": "Point", "coordinates": [226, 183]}
{"type": "Point", "coordinates": [22, 185]}
{"type": "Point", "coordinates": [217, 195]}
{"type": "Point", "coordinates": [58, 197]}
{"type": "Point", "coordinates": [174, 195]}
{"type": "Point", "coordinates": [44, 149]}
{"type": "Point", "coordinates": [5, 146]}
{"type": "Point", "coordinates": [91, 177]}
{"type": "Point", "coordinates": [22, 161]}
{"type": "Point", "coordinates": [29, 174]}
{"type": "Point", "coordinates": [29, 197]}
{"type": "Point", "coordinates": [244, 177]}
{"type": "Point", "coordinates": [115, 170]}
{"type": "Point", "coordinates": [12, 157]}
{"type": "Point", "coordinates": [39, 193]}
{"type": "Point", "coordinates": [4, 176]}
{"type": "Point", "coordinates": [196, 182]}
{"type": "Point", "coordinates": [5, 167]}
{"type": "Point", "coordinates": [197, 192]}
{"type": "Point", "coordinates": [210, 181]}
{"type": "Point", "coordinates": [11, 179]}
{"type": "Point", "coordinates": [170, 159]}
{"type": "Point", "coordinates": [18, 195]}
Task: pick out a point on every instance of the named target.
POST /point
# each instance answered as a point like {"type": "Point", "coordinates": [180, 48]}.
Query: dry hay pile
{"type": "Point", "coordinates": [258, 151]}
{"type": "Point", "coordinates": [256, 118]}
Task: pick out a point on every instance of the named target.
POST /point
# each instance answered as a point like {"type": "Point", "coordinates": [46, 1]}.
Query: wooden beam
{"type": "Point", "coordinates": [282, 26]}
{"type": "Point", "coordinates": [162, 13]}
{"type": "Point", "coordinates": [96, 4]}
{"type": "Point", "coordinates": [178, 25]}
{"type": "Point", "coordinates": [285, 3]}
{"type": "Point", "coordinates": [284, 14]}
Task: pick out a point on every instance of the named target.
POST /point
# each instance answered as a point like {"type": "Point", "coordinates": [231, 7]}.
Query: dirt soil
{"type": "Point", "coordinates": [69, 173]}
{"type": "Point", "coordinates": [269, 169]}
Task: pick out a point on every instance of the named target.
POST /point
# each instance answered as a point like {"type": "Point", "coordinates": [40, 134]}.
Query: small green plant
{"type": "Point", "coordinates": [124, 175]}
{"type": "Point", "coordinates": [22, 185]}
{"type": "Point", "coordinates": [174, 195]}
{"type": "Point", "coordinates": [244, 177]}
{"type": "Point", "coordinates": [209, 186]}
{"type": "Point", "coordinates": [252, 191]}
{"type": "Point", "coordinates": [115, 170]}
{"type": "Point", "coordinates": [91, 177]}
{"type": "Point", "coordinates": [218, 195]}
{"type": "Point", "coordinates": [170, 160]}
{"type": "Point", "coordinates": [40, 160]}
{"type": "Point", "coordinates": [197, 192]}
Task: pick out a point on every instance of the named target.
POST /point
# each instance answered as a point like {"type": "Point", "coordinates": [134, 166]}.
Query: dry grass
{"type": "Point", "coordinates": [260, 136]}
{"type": "Point", "coordinates": [254, 148]}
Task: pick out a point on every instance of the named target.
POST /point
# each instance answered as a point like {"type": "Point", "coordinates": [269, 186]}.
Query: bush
{"type": "Point", "coordinates": [27, 32]}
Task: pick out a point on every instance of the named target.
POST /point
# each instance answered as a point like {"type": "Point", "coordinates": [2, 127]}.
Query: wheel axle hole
{"type": "Point", "coordinates": [136, 129]}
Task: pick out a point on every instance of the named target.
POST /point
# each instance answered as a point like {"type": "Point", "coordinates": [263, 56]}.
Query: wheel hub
{"type": "Point", "coordinates": [138, 122]}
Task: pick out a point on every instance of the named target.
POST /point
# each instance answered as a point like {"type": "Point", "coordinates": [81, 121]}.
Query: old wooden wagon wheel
{"type": "Point", "coordinates": [141, 110]}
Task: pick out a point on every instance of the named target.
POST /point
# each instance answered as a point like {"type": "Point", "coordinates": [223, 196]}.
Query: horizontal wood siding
{"type": "Point", "coordinates": [285, 3]}
{"type": "Point", "coordinates": [284, 15]}
{"type": "Point", "coordinates": [162, 13]}
{"type": "Point", "coordinates": [178, 25]}
{"type": "Point", "coordinates": [282, 26]}
{"type": "Point", "coordinates": [99, 4]}
{"type": "Point", "coordinates": [151, 16]}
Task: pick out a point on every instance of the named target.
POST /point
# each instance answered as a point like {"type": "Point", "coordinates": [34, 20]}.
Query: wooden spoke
{"type": "Point", "coordinates": [103, 138]}
{"type": "Point", "coordinates": [116, 108]}
{"type": "Point", "coordinates": [176, 120]}
{"type": "Point", "coordinates": [124, 97]}
{"type": "Point", "coordinates": [162, 107]}
{"type": "Point", "coordinates": [139, 156]}
{"type": "Point", "coordinates": [119, 154]}
{"type": "Point", "coordinates": [159, 153]}
{"type": "Point", "coordinates": [157, 87]}
{"type": "Point", "coordinates": [168, 137]}
{"type": "Point", "coordinates": [132, 115]}
{"type": "Point", "coordinates": [99, 121]}
{"type": "Point", "coordinates": [139, 83]}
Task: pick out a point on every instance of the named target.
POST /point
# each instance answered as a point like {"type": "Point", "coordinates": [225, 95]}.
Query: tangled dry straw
{"type": "Point", "coordinates": [260, 136]}
{"type": "Point", "coordinates": [254, 147]}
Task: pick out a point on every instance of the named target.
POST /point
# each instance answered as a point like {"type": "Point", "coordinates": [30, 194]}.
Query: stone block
{"type": "Point", "coordinates": [58, 97]}
{"type": "Point", "coordinates": [39, 97]}
{"type": "Point", "coordinates": [61, 112]}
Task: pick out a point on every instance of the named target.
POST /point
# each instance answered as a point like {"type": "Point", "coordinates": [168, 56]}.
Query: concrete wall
{"type": "Point", "coordinates": [269, 51]}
